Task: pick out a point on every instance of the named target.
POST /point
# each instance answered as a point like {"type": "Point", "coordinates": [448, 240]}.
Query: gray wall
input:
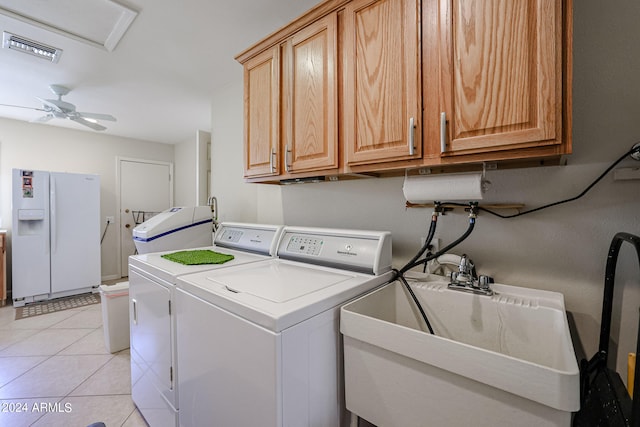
{"type": "Point", "coordinates": [43, 147]}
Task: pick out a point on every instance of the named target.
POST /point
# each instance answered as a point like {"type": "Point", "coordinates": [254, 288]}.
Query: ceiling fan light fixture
{"type": "Point", "coordinates": [23, 44]}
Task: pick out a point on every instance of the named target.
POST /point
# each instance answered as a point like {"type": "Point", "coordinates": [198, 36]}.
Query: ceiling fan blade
{"type": "Point", "coordinates": [20, 106]}
{"type": "Point", "coordinates": [97, 116]}
{"type": "Point", "coordinates": [43, 119]}
{"type": "Point", "coordinates": [94, 126]}
{"type": "Point", "coordinates": [49, 103]}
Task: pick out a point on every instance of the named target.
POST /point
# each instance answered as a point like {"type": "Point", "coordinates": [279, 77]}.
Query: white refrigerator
{"type": "Point", "coordinates": [55, 235]}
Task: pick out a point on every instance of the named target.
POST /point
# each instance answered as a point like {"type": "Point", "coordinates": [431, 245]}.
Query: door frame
{"type": "Point", "coordinates": [203, 168]}
{"type": "Point", "coordinates": [117, 221]}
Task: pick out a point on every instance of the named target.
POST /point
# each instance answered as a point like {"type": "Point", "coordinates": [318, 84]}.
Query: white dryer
{"type": "Point", "coordinates": [260, 344]}
{"type": "Point", "coordinates": [152, 279]}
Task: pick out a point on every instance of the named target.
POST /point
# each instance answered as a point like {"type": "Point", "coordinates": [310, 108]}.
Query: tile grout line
{"type": "Point", "coordinates": [94, 372]}
{"type": "Point", "coordinates": [25, 372]}
{"type": "Point", "coordinates": [47, 357]}
{"type": "Point", "coordinates": [88, 377]}
{"type": "Point", "coordinates": [42, 415]}
{"type": "Point", "coordinates": [128, 417]}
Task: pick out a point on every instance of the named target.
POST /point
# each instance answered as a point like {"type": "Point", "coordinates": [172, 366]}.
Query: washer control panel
{"type": "Point", "coordinates": [305, 245]}
{"type": "Point", "coordinates": [356, 250]}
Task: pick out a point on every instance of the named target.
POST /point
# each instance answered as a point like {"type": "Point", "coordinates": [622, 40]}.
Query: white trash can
{"type": "Point", "coordinates": [115, 316]}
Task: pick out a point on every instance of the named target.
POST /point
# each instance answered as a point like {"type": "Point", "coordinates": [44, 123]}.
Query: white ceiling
{"type": "Point", "coordinates": [159, 80]}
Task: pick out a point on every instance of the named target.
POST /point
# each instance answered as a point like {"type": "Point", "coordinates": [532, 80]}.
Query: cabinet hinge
{"type": "Point", "coordinates": [169, 307]}
{"type": "Point", "coordinates": [171, 374]}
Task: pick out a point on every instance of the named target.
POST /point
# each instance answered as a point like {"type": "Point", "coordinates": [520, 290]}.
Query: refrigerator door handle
{"type": "Point", "coordinates": [53, 223]}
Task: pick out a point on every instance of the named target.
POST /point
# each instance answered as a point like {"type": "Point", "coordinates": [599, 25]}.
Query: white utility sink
{"type": "Point", "coordinates": [498, 360]}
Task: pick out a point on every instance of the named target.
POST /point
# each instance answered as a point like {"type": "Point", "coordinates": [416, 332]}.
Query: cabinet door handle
{"type": "Point", "coordinates": [412, 136]}
{"type": "Point", "coordinates": [135, 311]}
{"type": "Point", "coordinates": [443, 132]}
{"type": "Point", "coordinates": [287, 162]}
{"type": "Point", "coordinates": [272, 163]}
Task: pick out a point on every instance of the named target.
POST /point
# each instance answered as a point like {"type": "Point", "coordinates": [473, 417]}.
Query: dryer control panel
{"type": "Point", "coordinates": [257, 238]}
{"type": "Point", "coordinates": [356, 250]}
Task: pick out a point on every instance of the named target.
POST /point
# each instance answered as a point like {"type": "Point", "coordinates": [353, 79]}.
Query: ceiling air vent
{"type": "Point", "coordinates": [22, 44]}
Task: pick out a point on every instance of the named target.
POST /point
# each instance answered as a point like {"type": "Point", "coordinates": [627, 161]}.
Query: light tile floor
{"type": "Point", "coordinates": [55, 371]}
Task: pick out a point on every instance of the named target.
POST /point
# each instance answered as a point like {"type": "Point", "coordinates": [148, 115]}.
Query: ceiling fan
{"type": "Point", "coordinates": [59, 109]}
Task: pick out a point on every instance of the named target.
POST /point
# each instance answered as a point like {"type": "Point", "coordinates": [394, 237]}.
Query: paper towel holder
{"type": "Point", "coordinates": [451, 206]}
{"type": "Point", "coordinates": [484, 182]}
{"type": "Point", "coordinates": [446, 207]}
{"type": "Point", "coordinates": [426, 170]}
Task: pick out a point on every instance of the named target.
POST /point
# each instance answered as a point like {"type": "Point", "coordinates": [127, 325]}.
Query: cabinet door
{"type": "Point", "coordinates": [500, 75]}
{"type": "Point", "coordinates": [382, 91]}
{"type": "Point", "coordinates": [310, 97]}
{"type": "Point", "coordinates": [150, 329]}
{"type": "Point", "coordinates": [152, 349]}
{"type": "Point", "coordinates": [262, 114]}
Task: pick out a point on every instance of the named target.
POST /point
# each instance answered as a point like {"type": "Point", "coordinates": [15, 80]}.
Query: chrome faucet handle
{"type": "Point", "coordinates": [465, 276]}
{"type": "Point", "coordinates": [467, 267]}
{"type": "Point", "coordinates": [484, 282]}
{"type": "Point", "coordinates": [466, 279]}
{"type": "Point", "coordinates": [464, 261]}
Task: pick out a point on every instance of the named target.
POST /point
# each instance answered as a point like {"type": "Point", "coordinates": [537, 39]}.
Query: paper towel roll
{"type": "Point", "coordinates": [446, 187]}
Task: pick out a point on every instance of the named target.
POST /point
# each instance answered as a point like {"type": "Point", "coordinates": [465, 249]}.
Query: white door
{"type": "Point", "coordinates": [146, 188]}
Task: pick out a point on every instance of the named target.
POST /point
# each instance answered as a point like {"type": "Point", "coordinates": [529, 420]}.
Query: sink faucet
{"type": "Point", "coordinates": [466, 279]}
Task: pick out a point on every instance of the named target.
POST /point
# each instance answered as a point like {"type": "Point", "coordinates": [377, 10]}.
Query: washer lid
{"type": "Point", "coordinates": [278, 282]}
{"type": "Point", "coordinates": [277, 294]}
{"type": "Point", "coordinates": [153, 263]}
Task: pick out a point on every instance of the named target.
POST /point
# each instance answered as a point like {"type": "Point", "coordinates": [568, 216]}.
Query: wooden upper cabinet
{"type": "Point", "coordinates": [381, 81]}
{"type": "Point", "coordinates": [262, 114]}
{"type": "Point", "coordinates": [359, 86]}
{"type": "Point", "coordinates": [310, 92]}
{"type": "Point", "coordinates": [496, 67]}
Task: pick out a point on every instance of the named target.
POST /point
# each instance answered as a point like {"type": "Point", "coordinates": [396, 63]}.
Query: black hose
{"type": "Point", "coordinates": [414, 261]}
{"type": "Point", "coordinates": [409, 266]}
{"type": "Point", "coordinates": [415, 300]}
{"type": "Point", "coordinates": [105, 232]}
{"type": "Point", "coordinates": [399, 275]}
{"type": "Point", "coordinates": [427, 242]}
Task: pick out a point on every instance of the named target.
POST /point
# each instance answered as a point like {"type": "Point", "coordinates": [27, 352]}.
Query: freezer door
{"type": "Point", "coordinates": [30, 234]}
{"type": "Point", "coordinates": [75, 231]}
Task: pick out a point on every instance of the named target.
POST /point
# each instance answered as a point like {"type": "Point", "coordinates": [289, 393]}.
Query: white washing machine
{"type": "Point", "coordinates": [260, 344]}
{"type": "Point", "coordinates": [152, 279]}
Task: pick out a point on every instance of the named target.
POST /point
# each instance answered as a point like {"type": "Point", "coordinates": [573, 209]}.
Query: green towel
{"type": "Point", "coordinates": [198, 257]}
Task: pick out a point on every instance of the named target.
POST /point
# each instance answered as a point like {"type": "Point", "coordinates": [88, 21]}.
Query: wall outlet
{"type": "Point", "coordinates": [110, 220]}
{"type": "Point", "coordinates": [435, 244]}
{"type": "Point", "coordinates": [623, 174]}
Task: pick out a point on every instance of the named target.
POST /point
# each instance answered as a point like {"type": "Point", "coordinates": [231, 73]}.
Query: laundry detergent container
{"type": "Point", "coordinates": [115, 316]}
{"type": "Point", "coordinates": [175, 228]}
